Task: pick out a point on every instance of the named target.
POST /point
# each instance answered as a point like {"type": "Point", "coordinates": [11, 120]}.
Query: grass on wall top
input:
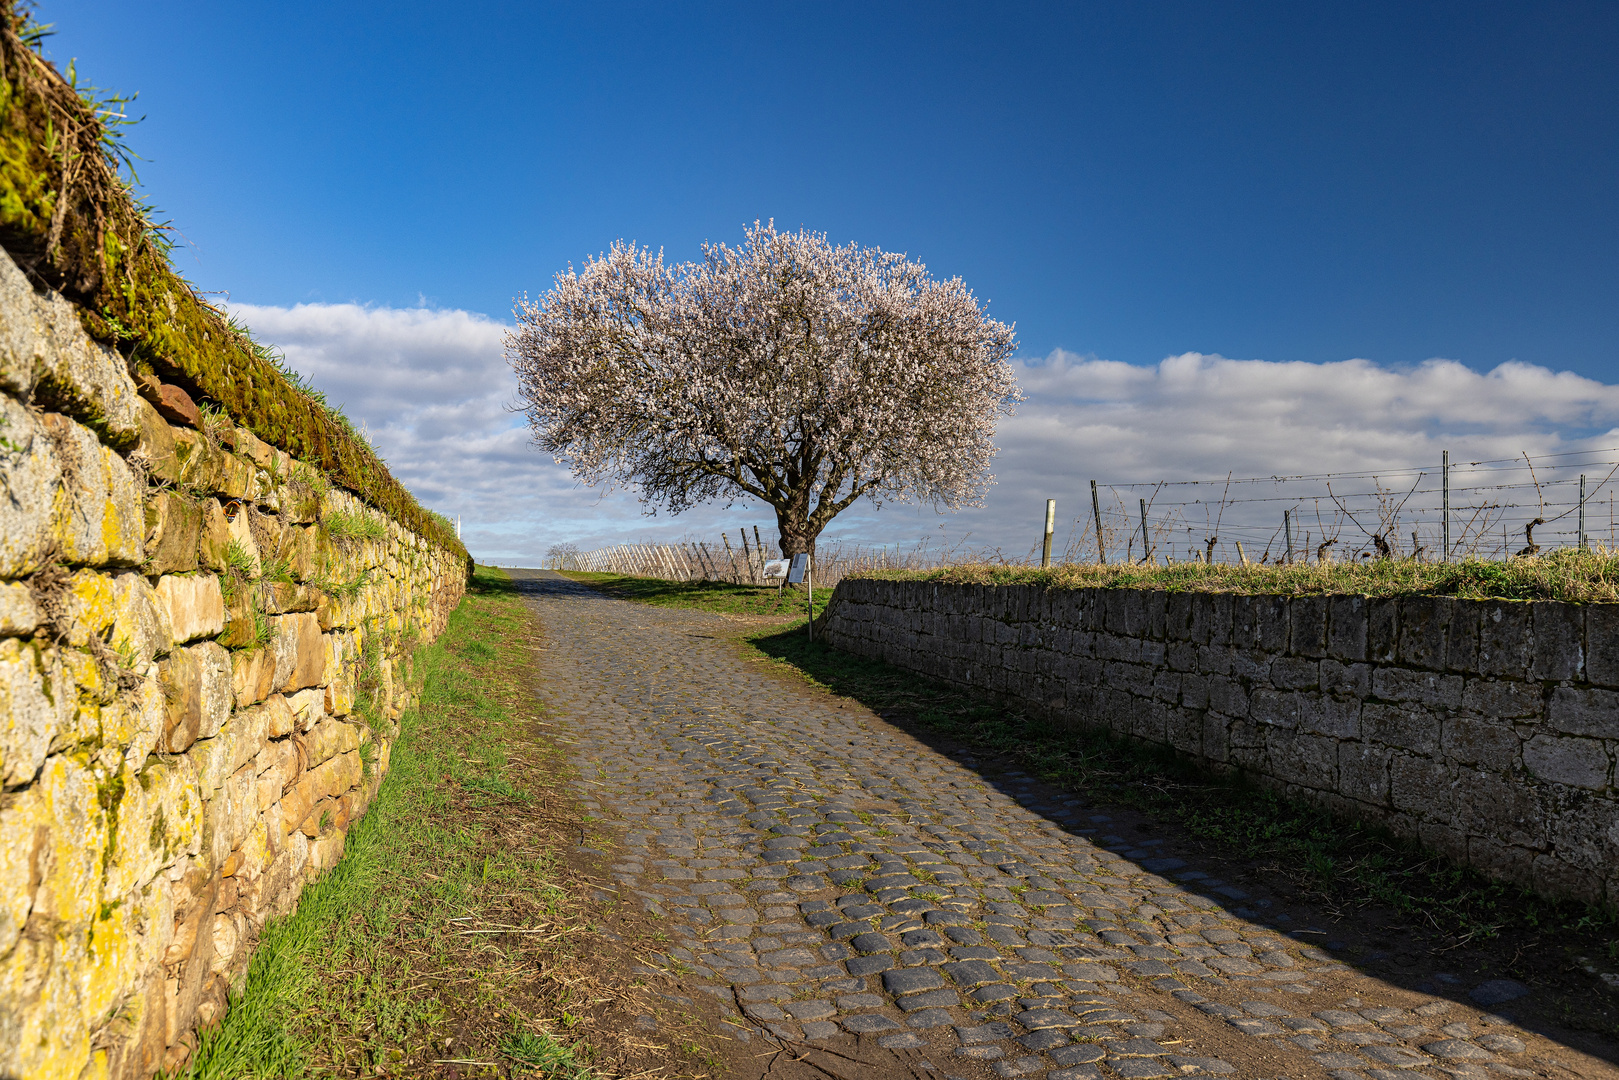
{"type": "Point", "coordinates": [1575, 576]}
{"type": "Point", "coordinates": [70, 219]}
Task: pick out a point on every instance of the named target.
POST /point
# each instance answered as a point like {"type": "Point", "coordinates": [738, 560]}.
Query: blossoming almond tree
{"type": "Point", "coordinates": [799, 373]}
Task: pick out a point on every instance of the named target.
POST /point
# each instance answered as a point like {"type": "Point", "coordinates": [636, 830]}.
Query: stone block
{"type": "Point", "coordinates": [1505, 639]}
{"type": "Point", "coordinates": [1590, 712]}
{"type": "Point", "coordinates": [1295, 673]}
{"type": "Point", "coordinates": [1178, 616]}
{"type": "Point", "coordinates": [253, 676]}
{"type": "Point", "coordinates": [1556, 878]}
{"type": "Point", "coordinates": [31, 471]}
{"type": "Point", "coordinates": [1338, 718]}
{"type": "Point", "coordinates": [174, 527]}
{"type": "Point", "coordinates": [282, 720]}
{"type": "Point", "coordinates": [36, 702]}
{"type": "Point", "coordinates": [299, 651]}
{"type": "Point", "coordinates": [134, 720]}
{"type": "Point", "coordinates": [1346, 627]}
{"type": "Point", "coordinates": [1382, 629]}
{"type": "Point", "coordinates": [1308, 628]}
{"type": "Point", "coordinates": [1499, 860]}
{"type": "Point", "coordinates": [328, 738]}
{"type": "Point", "coordinates": [1581, 763]}
{"type": "Point", "coordinates": [1502, 808]}
{"type": "Point", "coordinates": [221, 757]}
{"type": "Point", "coordinates": [214, 537]}
{"type": "Point", "coordinates": [1216, 660]}
{"type": "Point", "coordinates": [1417, 687]}
{"type": "Point", "coordinates": [1211, 618]}
{"type": "Point", "coordinates": [1559, 633]}
{"type": "Point", "coordinates": [1438, 836]}
{"type": "Point", "coordinates": [1216, 738]}
{"type": "Point", "coordinates": [1363, 773]}
{"type": "Point", "coordinates": [196, 684]}
{"type": "Point", "coordinates": [308, 707]}
{"type": "Point", "coordinates": [46, 357]}
{"type": "Point", "coordinates": [1424, 631]}
{"type": "Point", "coordinates": [19, 615]}
{"type": "Point", "coordinates": [171, 402]}
{"type": "Point", "coordinates": [1274, 708]}
{"type": "Point", "coordinates": [96, 519]}
{"type": "Point", "coordinates": [1153, 608]}
{"type": "Point", "coordinates": [193, 604]}
{"type": "Point", "coordinates": [1422, 787]}
{"type": "Point", "coordinates": [1583, 831]}
{"type": "Point", "coordinates": [140, 630]}
{"type": "Point", "coordinates": [1183, 729]}
{"type": "Point", "coordinates": [1601, 643]}
{"type": "Point", "coordinates": [1405, 727]}
{"type": "Point", "coordinates": [1346, 680]}
{"type": "Point", "coordinates": [1485, 742]}
{"type": "Point", "coordinates": [1461, 640]}
{"type": "Point", "coordinates": [1310, 761]}
{"type": "Point", "coordinates": [1227, 696]}
{"type": "Point", "coordinates": [1504, 698]}
{"type": "Point", "coordinates": [88, 607]}
{"type": "Point", "coordinates": [1194, 691]}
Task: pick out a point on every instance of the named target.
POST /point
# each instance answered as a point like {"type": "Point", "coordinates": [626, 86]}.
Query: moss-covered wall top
{"type": "Point", "coordinates": [69, 220]}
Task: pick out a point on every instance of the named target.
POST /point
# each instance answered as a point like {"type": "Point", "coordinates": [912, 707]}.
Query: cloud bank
{"type": "Point", "coordinates": [434, 391]}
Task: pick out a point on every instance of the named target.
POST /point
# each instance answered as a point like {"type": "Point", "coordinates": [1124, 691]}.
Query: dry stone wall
{"type": "Point", "coordinates": [204, 652]}
{"type": "Point", "coordinates": [1486, 729]}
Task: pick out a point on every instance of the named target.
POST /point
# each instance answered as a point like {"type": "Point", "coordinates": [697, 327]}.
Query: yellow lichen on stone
{"type": "Point", "coordinates": [37, 700]}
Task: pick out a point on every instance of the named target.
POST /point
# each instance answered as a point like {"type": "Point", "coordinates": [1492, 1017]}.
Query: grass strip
{"type": "Point", "coordinates": [1590, 576]}
{"type": "Point", "coordinates": [376, 971]}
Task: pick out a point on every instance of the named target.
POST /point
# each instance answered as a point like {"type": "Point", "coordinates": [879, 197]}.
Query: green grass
{"type": "Point", "coordinates": [1342, 862]}
{"type": "Point", "coordinates": [358, 976]}
{"type": "Point", "coordinates": [356, 525]}
{"type": "Point", "coordinates": [1577, 576]}
{"type": "Point", "coordinates": [718, 596]}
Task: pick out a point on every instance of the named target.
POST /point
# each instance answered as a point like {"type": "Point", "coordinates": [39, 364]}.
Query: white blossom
{"type": "Point", "coordinates": [786, 369]}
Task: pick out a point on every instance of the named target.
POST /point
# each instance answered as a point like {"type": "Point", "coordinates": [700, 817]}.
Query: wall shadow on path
{"type": "Point", "coordinates": [1395, 911]}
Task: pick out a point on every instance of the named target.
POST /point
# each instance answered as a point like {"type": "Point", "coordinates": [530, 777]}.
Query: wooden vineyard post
{"type": "Point", "coordinates": [1146, 547]}
{"type": "Point", "coordinates": [1096, 512]}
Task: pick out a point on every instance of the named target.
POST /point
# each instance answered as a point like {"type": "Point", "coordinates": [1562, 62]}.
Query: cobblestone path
{"type": "Point", "coordinates": [836, 884]}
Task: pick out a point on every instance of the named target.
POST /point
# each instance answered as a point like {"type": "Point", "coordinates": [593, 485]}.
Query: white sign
{"type": "Point", "coordinates": [775, 569]}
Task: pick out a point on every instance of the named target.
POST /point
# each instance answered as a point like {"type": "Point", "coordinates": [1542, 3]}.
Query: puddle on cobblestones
{"type": "Point", "coordinates": [860, 904]}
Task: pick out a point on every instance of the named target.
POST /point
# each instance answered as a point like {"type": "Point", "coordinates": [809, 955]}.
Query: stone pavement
{"type": "Point", "coordinates": [835, 883]}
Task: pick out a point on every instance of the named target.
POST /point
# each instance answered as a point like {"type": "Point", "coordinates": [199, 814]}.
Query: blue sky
{"type": "Point", "coordinates": [1267, 182]}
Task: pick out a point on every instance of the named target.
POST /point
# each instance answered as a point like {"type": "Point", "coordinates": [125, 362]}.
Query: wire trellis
{"type": "Point", "coordinates": [1490, 509]}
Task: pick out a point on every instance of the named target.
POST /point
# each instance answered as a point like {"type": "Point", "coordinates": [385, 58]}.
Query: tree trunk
{"type": "Point", "coordinates": [796, 536]}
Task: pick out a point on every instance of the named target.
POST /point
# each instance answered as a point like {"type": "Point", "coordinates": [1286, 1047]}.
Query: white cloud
{"type": "Point", "coordinates": [434, 390]}
{"type": "Point", "coordinates": [1198, 417]}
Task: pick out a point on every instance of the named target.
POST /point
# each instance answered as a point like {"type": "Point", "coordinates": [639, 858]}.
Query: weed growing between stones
{"type": "Point", "coordinates": [455, 929]}
{"type": "Point", "coordinates": [341, 525]}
